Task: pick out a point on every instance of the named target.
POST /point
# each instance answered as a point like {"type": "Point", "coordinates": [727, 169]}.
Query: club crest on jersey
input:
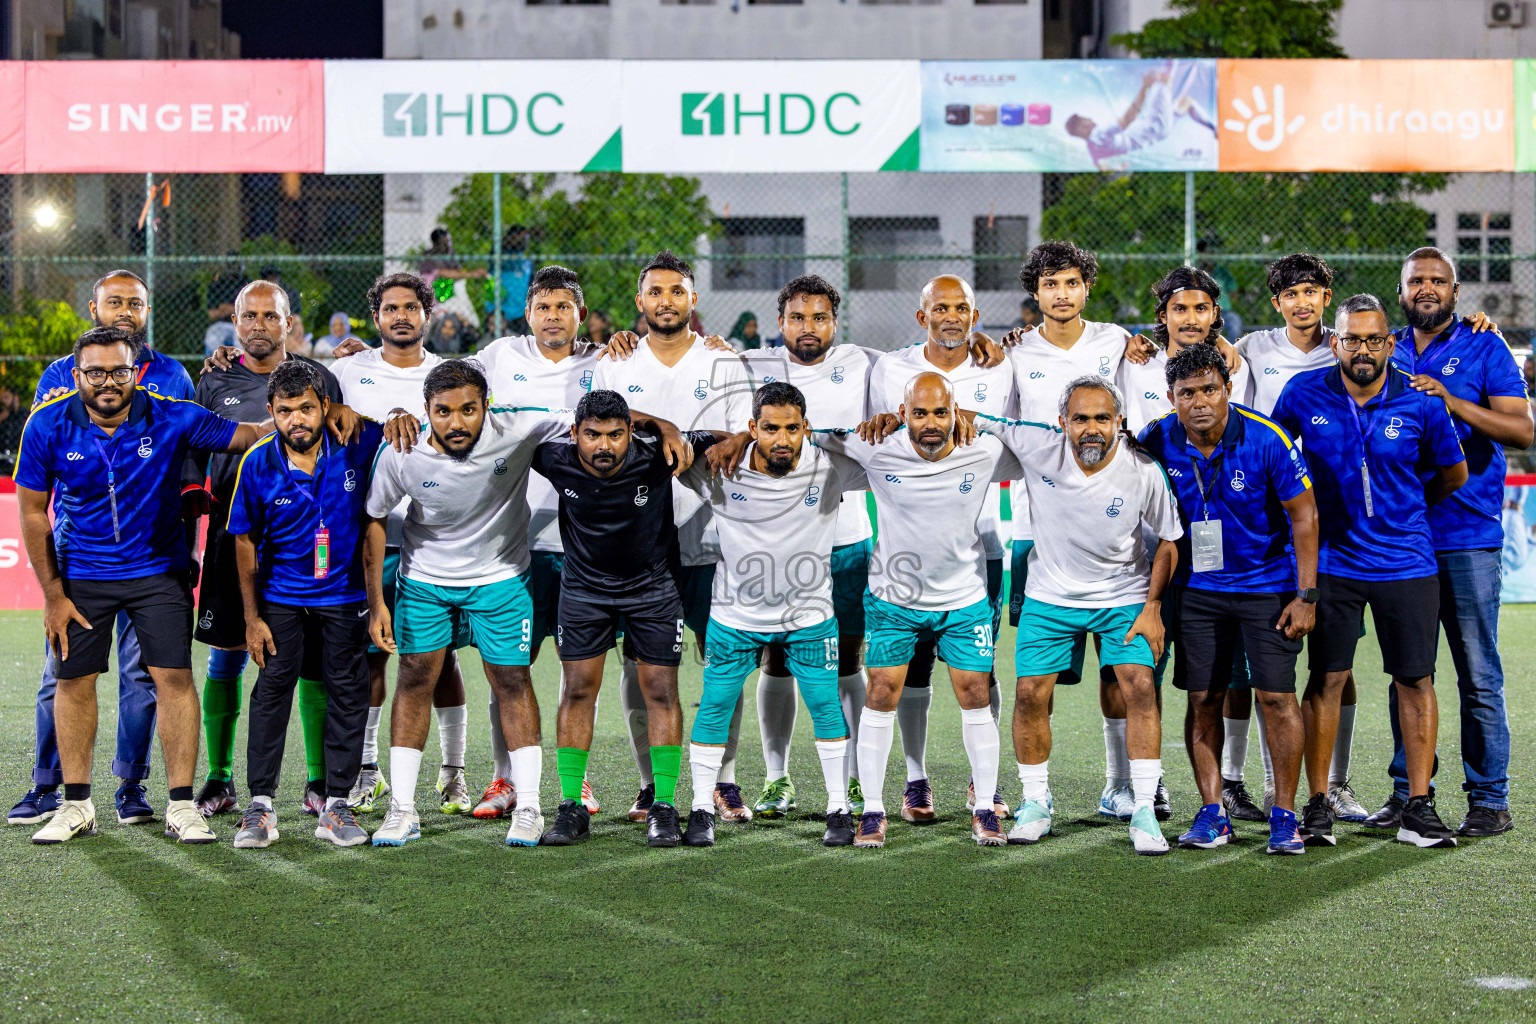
{"type": "Point", "coordinates": [365, 380]}
{"type": "Point", "coordinates": [146, 447]}
{"type": "Point", "coordinates": [351, 481]}
{"type": "Point", "coordinates": [151, 387]}
{"type": "Point", "coordinates": [1238, 480]}
{"type": "Point", "coordinates": [642, 494]}
{"type": "Point", "coordinates": [1449, 367]}
{"type": "Point", "coordinates": [812, 496]}
{"type": "Point", "coordinates": [981, 393]}
{"type": "Point", "coordinates": [1114, 508]}
{"type": "Point", "coordinates": [1104, 370]}
{"type": "Point", "coordinates": [1391, 429]}
{"type": "Point", "coordinates": [501, 467]}
{"type": "Point", "coordinates": [74, 456]}
{"type": "Point", "coordinates": [586, 380]}
{"type": "Point", "coordinates": [702, 391]}
{"type": "Point", "coordinates": [837, 375]}
{"type": "Point", "coordinates": [1036, 375]}
{"type": "Point", "coordinates": [966, 484]}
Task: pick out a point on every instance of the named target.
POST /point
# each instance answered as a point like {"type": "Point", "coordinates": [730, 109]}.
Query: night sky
{"type": "Point", "coordinates": [307, 28]}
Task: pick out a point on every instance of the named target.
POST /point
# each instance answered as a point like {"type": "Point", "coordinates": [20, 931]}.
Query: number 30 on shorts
{"type": "Point", "coordinates": [984, 641]}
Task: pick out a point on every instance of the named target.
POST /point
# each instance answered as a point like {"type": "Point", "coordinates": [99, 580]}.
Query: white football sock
{"type": "Point", "coordinates": [501, 763]}
{"type": "Point", "coordinates": [453, 733]}
{"type": "Point", "coordinates": [704, 762]}
{"type": "Point", "coordinates": [1117, 763]}
{"type": "Point", "coordinates": [632, 703]}
{"type": "Point", "coordinates": [776, 705]}
{"type": "Point", "coordinates": [1338, 768]}
{"type": "Point", "coordinates": [1144, 775]}
{"type": "Point", "coordinates": [261, 800]}
{"type": "Point", "coordinates": [527, 773]}
{"type": "Point", "coordinates": [876, 731]}
{"type": "Point", "coordinates": [979, 733]}
{"type": "Point", "coordinates": [1036, 780]}
{"type": "Point", "coordinates": [912, 714]}
{"type": "Point", "coordinates": [1269, 762]}
{"type": "Point", "coordinates": [371, 737]}
{"type": "Point", "coordinates": [834, 772]}
{"type": "Point", "coordinates": [732, 740]}
{"type": "Point", "coordinates": [404, 767]}
{"type": "Point", "coordinates": [851, 690]}
{"type": "Point", "coordinates": [335, 801]}
{"type": "Point", "coordinates": [1234, 748]}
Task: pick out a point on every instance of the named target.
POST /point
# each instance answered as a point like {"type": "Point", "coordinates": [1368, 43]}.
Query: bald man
{"type": "Point", "coordinates": [947, 314]}
{"type": "Point", "coordinates": [927, 581]}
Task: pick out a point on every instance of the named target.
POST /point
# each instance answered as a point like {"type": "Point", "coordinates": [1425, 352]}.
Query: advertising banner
{"type": "Point", "coordinates": [18, 583]}
{"type": "Point", "coordinates": [185, 116]}
{"type": "Point", "coordinates": [1367, 115]}
{"type": "Point", "coordinates": [13, 116]}
{"type": "Point", "coordinates": [1069, 115]}
{"type": "Point", "coordinates": [1525, 115]}
{"type": "Point", "coordinates": [472, 115]}
{"type": "Point", "coordinates": [771, 115]}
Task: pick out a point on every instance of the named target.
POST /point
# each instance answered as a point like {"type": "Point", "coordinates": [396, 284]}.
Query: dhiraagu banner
{"type": "Point", "coordinates": [472, 115]}
{"type": "Point", "coordinates": [770, 115]}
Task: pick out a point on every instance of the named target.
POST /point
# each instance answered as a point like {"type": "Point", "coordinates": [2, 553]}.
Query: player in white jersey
{"type": "Point", "coordinates": [548, 367]}
{"type": "Point", "coordinates": [778, 516]}
{"type": "Point", "coordinates": [1091, 498]}
{"type": "Point", "coordinates": [928, 580]}
{"type": "Point", "coordinates": [673, 373]}
{"type": "Point", "coordinates": [948, 315]}
{"type": "Point", "coordinates": [379, 383]}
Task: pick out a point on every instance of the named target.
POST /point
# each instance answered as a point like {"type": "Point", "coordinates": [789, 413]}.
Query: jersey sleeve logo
{"type": "Point", "coordinates": [642, 494]}
{"type": "Point", "coordinates": [966, 484]}
{"type": "Point", "coordinates": [892, 478]}
{"type": "Point", "coordinates": [146, 447]}
{"type": "Point", "coordinates": [1114, 508]}
{"type": "Point", "coordinates": [1391, 430]}
{"type": "Point", "coordinates": [1449, 367]}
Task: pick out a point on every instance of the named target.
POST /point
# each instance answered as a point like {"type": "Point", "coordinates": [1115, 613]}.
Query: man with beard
{"type": "Point", "coordinates": [296, 519]}
{"type": "Point", "coordinates": [1476, 378]}
{"type": "Point", "coordinates": [1381, 455]}
{"type": "Point", "coordinates": [676, 374]}
{"type": "Point", "coordinates": [1248, 503]}
{"type": "Point", "coordinates": [778, 517]}
{"type": "Point", "coordinates": [1093, 500]}
{"type": "Point", "coordinates": [380, 383]}
{"type": "Point", "coordinates": [928, 580]}
{"type": "Point", "coordinates": [239, 393]}
{"type": "Point", "coordinates": [118, 545]}
{"type": "Point", "coordinates": [119, 300]}
{"type": "Point", "coordinates": [621, 552]}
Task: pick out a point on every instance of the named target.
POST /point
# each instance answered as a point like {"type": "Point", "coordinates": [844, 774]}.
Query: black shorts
{"type": "Point", "coordinates": [220, 610]}
{"type": "Point", "coordinates": [1407, 618]}
{"type": "Point", "coordinates": [1215, 629]}
{"type": "Point", "coordinates": [652, 621]}
{"type": "Point", "coordinates": [159, 607]}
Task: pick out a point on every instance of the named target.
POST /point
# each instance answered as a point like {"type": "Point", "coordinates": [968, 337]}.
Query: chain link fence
{"type": "Point", "coordinates": [878, 237]}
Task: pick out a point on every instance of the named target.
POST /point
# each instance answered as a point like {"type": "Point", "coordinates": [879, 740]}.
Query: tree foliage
{"type": "Point", "coordinates": [35, 327]}
{"type": "Point", "coordinates": [1239, 28]}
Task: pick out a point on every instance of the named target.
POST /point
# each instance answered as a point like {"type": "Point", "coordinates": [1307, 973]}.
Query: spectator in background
{"type": "Point", "coordinates": [221, 310]}
{"type": "Point", "coordinates": [744, 335]}
{"type": "Point", "coordinates": [439, 261]}
{"type": "Point", "coordinates": [340, 329]}
{"type": "Point", "coordinates": [599, 328]}
{"type": "Point", "coordinates": [516, 273]}
{"type": "Point", "coordinates": [1029, 314]}
{"type": "Point", "coordinates": [449, 335]}
{"type": "Point", "coordinates": [12, 418]}
{"type": "Point", "coordinates": [298, 343]}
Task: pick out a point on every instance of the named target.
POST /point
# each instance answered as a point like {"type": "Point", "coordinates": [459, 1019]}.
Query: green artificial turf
{"type": "Point", "coordinates": [768, 925]}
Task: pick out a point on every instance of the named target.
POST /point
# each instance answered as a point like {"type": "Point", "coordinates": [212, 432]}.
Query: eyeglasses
{"type": "Point", "coordinates": [96, 378]}
{"type": "Point", "coordinates": [1375, 343]}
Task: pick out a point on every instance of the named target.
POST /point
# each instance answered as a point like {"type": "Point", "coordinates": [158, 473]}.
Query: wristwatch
{"type": "Point", "coordinates": [1308, 596]}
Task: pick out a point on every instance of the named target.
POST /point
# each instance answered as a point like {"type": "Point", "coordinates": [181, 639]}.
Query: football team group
{"type": "Point", "coordinates": [822, 515]}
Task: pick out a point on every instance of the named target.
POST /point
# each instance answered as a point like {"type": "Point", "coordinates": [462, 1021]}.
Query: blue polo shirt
{"type": "Point", "coordinates": [62, 451]}
{"type": "Point", "coordinates": [159, 374]}
{"type": "Point", "coordinates": [1252, 471]}
{"type": "Point", "coordinates": [1473, 367]}
{"type": "Point", "coordinates": [282, 508]}
{"type": "Point", "coordinates": [1402, 437]}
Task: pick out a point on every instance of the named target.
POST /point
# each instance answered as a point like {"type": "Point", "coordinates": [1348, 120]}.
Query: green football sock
{"type": "Point", "coordinates": [571, 766]}
{"type": "Point", "coordinates": [666, 765]}
{"type": "Point", "coordinates": [312, 718]}
{"type": "Point", "coordinates": [221, 710]}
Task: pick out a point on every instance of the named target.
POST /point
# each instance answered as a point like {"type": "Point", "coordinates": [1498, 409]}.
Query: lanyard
{"type": "Point", "coordinates": [1414, 355]}
{"type": "Point", "coordinates": [1200, 480]}
{"type": "Point", "coordinates": [317, 482]}
{"type": "Point", "coordinates": [1365, 456]}
{"type": "Point", "coordinates": [117, 533]}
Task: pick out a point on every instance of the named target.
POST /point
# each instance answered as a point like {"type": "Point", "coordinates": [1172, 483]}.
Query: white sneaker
{"type": "Point", "coordinates": [401, 825]}
{"type": "Point", "coordinates": [73, 818]}
{"type": "Point", "coordinates": [369, 787]}
{"type": "Point", "coordinates": [1117, 801]}
{"type": "Point", "coordinates": [527, 827]}
{"type": "Point", "coordinates": [1146, 835]}
{"type": "Point", "coordinates": [1344, 804]}
{"type": "Point", "coordinates": [455, 791]}
{"type": "Point", "coordinates": [186, 824]}
{"type": "Point", "coordinates": [1032, 823]}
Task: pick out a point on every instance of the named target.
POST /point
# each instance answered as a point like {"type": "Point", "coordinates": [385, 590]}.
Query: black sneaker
{"type": "Point", "coordinates": [572, 825]}
{"type": "Point", "coordinates": [643, 801]}
{"type": "Point", "coordinates": [700, 832]}
{"type": "Point", "coordinates": [1390, 815]}
{"type": "Point", "coordinates": [1317, 822]}
{"type": "Point", "coordinates": [1486, 821]}
{"type": "Point", "coordinates": [840, 829]}
{"type": "Point", "coordinates": [1162, 803]}
{"type": "Point", "coordinates": [1238, 804]}
{"type": "Point", "coordinates": [661, 825]}
{"type": "Point", "coordinates": [1422, 827]}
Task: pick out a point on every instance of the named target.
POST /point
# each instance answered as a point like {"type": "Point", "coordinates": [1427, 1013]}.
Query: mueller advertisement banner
{"type": "Point", "coordinates": [1069, 115]}
{"type": "Point", "coordinates": [472, 115]}
{"type": "Point", "coordinates": [180, 115]}
{"type": "Point", "coordinates": [771, 115]}
{"type": "Point", "coordinates": [1367, 115]}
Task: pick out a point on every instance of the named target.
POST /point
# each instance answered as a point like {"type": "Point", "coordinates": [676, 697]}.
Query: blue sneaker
{"type": "Point", "coordinates": [1212, 828]}
{"type": "Point", "coordinates": [133, 803]}
{"type": "Point", "coordinates": [36, 807]}
{"type": "Point", "coordinates": [1283, 837]}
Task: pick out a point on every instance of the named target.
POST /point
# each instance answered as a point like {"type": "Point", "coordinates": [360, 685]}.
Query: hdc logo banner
{"type": "Point", "coordinates": [1366, 115]}
{"type": "Point", "coordinates": [183, 115]}
{"type": "Point", "coordinates": [781, 115]}
{"type": "Point", "coordinates": [471, 115]}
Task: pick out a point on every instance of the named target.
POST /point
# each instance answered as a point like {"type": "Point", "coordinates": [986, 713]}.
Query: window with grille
{"type": "Point", "coordinates": [879, 245]}
{"type": "Point", "coordinates": [758, 253]}
{"type": "Point", "coordinates": [1478, 237]}
{"type": "Point", "coordinates": [999, 244]}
